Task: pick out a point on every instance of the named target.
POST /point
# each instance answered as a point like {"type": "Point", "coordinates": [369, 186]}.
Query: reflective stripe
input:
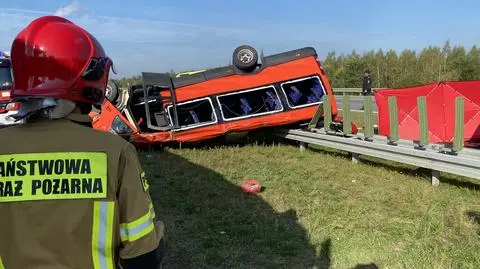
{"type": "Point", "coordinates": [144, 182]}
{"type": "Point", "coordinates": [152, 211]}
{"type": "Point", "coordinates": [137, 229]}
{"type": "Point", "coordinates": [1, 264]}
{"type": "Point", "coordinates": [102, 235]}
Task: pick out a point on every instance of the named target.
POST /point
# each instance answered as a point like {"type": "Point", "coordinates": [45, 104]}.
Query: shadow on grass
{"type": "Point", "coordinates": [211, 223]}
{"type": "Point", "coordinates": [366, 266]}
{"type": "Point", "coordinates": [263, 136]}
{"type": "Point", "coordinates": [454, 180]}
{"type": "Point", "coordinates": [475, 217]}
{"type": "Point", "coordinates": [324, 260]}
{"type": "Point", "coordinates": [374, 162]}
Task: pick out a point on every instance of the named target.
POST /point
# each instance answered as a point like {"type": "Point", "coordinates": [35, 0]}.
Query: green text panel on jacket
{"type": "Point", "coordinates": [53, 176]}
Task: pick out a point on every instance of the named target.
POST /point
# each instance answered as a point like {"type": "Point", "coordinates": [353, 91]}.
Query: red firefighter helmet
{"type": "Point", "coordinates": [54, 58]}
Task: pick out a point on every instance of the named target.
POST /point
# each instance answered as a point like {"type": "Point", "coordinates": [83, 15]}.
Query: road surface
{"type": "Point", "coordinates": [356, 103]}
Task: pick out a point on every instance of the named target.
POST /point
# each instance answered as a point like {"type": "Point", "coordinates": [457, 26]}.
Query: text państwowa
{"type": "Point", "coordinates": [53, 176]}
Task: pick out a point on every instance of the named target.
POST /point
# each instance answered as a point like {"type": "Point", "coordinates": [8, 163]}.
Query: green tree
{"type": "Point", "coordinates": [472, 70]}
{"type": "Point", "coordinates": [431, 60]}
{"type": "Point", "coordinates": [408, 68]}
{"type": "Point", "coordinates": [455, 62]}
{"type": "Point", "coordinates": [125, 82]}
{"type": "Point", "coordinates": [408, 75]}
{"type": "Point", "coordinates": [380, 69]}
{"type": "Point", "coordinates": [330, 66]}
{"type": "Point", "coordinates": [392, 70]}
{"type": "Point", "coordinates": [354, 70]}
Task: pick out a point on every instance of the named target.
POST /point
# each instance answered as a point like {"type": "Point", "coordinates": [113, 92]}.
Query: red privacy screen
{"type": "Point", "coordinates": [440, 110]}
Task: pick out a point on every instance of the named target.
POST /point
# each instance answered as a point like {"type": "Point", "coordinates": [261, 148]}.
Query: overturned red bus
{"type": "Point", "coordinates": [283, 89]}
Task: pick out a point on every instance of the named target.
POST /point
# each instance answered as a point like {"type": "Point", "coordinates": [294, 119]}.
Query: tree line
{"type": "Point", "coordinates": [406, 69]}
{"type": "Point", "coordinates": [391, 69]}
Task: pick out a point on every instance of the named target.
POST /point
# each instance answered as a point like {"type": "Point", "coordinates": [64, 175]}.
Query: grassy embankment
{"type": "Point", "coordinates": [318, 210]}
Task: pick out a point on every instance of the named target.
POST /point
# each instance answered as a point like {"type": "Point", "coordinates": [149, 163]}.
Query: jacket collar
{"type": "Point", "coordinates": [82, 119]}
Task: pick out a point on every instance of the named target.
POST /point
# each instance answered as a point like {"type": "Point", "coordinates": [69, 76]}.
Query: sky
{"type": "Point", "coordinates": [159, 36]}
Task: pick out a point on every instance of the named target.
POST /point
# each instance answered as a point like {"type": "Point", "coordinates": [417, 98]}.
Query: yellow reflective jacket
{"type": "Point", "coordinates": [71, 197]}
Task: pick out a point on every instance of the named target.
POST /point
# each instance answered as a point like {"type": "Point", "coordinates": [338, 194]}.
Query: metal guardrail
{"type": "Point", "coordinates": [356, 91]}
{"type": "Point", "coordinates": [434, 157]}
{"type": "Point", "coordinates": [451, 158]}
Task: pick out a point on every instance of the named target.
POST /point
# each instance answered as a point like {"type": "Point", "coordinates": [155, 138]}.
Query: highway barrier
{"type": "Point", "coordinates": [452, 158]}
{"type": "Point", "coordinates": [350, 91]}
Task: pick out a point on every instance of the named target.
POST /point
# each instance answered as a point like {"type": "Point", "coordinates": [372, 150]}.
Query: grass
{"type": "Point", "coordinates": [318, 210]}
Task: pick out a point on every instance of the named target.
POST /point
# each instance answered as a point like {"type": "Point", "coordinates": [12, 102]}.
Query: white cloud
{"type": "Point", "coordinates": [67, 10]}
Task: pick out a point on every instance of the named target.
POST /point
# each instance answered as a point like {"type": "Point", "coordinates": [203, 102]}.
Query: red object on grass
{"type": "Point", "coordinates": [440, 110]}
{"type": "Point", "coordinates": [251, 186]}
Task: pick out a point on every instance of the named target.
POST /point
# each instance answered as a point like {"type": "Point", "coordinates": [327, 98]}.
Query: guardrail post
{"type": "Point", "coordinates": [354, 157]}
{"type": "Point", "coordinates": [435, 177]}
{"type": "Point", "coordinates": [327, 115]}
{"type": "Point", "coordinates": [393, 115]}
{"type": "Point", "coordinates": [314, 122]}
{"type": "Point", "coordinates": [459, 136]}
{"type": "Point", "coordinates": [347, 126]}
{"type": "Point", "coordinates": [303, 146]}
{"type": "Point", "coordinates": [368, 115]}
{"type": "Point", "coordinates": [423, 121]}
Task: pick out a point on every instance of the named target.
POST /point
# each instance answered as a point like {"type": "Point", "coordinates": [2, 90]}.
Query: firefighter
{"type": "Point", "coordinates": [70, 196]}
